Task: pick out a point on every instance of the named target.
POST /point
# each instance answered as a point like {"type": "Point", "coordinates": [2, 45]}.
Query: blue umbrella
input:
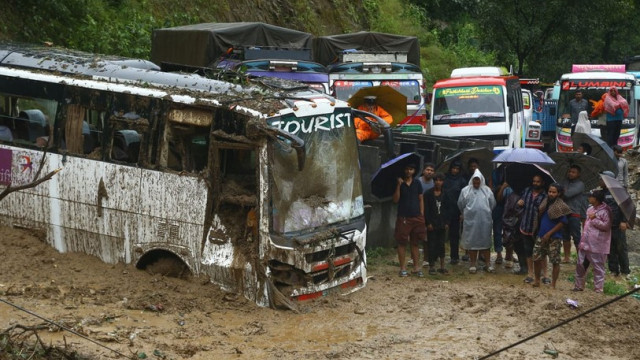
{"type": "Point", "coordinates": [524, 155]}
{"type": "Point", "coordinates": [384, 181]}
{"type": "Point", "coordinates": [599, 150]}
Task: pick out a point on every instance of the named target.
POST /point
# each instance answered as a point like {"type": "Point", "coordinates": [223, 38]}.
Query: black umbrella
{"type": "Point", "coordinates": [590, 167]}
{"type": "Point", "coordinates": [519, 176]}
{"type": "Point", "coordinates": [599, 150]}
{"type": "Point", "coordinates": [385, 180]}
{"type": "Point", "coordinates": [622, 198]}
{"type": "Point", "coordinates": [483, 155]}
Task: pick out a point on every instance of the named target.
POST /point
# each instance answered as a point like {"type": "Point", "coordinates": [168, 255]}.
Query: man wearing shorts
{"type": "Point", "coordinates": [410, 227]}
{"type": "Point", "coordinates": [549, 239]}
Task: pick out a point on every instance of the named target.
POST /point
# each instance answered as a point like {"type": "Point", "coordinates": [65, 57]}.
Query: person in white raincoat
{"type": "Point", "coordinates": [476, 202]}
{"type": "Point", "coordinates": [583, 125]}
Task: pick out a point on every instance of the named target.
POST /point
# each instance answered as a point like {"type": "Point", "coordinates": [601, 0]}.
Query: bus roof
{"type": "Point", "coordinates": [474, 80]}
{"type": "Point", "coordinates": [109, 73]}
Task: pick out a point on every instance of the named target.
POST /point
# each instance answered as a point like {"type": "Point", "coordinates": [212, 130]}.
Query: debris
{"type": "Point", "coordinates": [155, 308]}
{"type": "Point", "coordinates": [553, 353]}
{"type": "Point", "coordinates": [359, 312]}
{"type": "Point", "coordinates": [572, 303]}
{"type": "Point", "coordinates": [142, 355]}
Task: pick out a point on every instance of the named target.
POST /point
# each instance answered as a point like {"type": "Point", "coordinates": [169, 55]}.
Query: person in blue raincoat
{"type": "Point", "coordinates": [476, 202]}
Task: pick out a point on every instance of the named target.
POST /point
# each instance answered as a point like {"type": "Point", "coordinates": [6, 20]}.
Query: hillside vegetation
{"type": "Point", "coordinates": [124, 27]}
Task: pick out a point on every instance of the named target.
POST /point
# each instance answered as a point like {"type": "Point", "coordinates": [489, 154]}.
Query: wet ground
{"type": "Point", "coordinates": [455, 316]}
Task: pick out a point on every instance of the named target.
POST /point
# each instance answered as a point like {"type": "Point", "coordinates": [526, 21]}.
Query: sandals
{"type": "Point", "coordinates": [443, 271]}
{"type": "Point", "coordinates": [498, 260]}
{"type": "Point", "coordinates": [432, 271]}
{"type": "Point", "coordinates": [528, 280]}
{"type": "Point", "coordinates": [491, 269]}
{"type": "Point", "coordinates": [403, 273]}
{"type": "Point", "coordinates": [546, 280]}
{"type": "Point", "coordinates": [418, 273]}
{"type": "Point", "coordinates": [577, 289]}
{"type": "Point", "coordinates": [472, 270]}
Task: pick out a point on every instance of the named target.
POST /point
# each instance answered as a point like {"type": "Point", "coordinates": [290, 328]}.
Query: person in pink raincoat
{"type": "Point", "coordinates": [616, 109]}
{"type": "Point", "coordinates": [595, 242]}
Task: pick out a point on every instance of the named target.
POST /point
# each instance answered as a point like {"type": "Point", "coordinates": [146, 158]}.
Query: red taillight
{"type": "Point", "coordinates": [314, 295]}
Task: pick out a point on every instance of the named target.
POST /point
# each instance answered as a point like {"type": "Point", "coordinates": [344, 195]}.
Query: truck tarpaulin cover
{"type": "Point", "coordinates": [327, 49]}
{"type": "Point", "coordinates": [201, 45]}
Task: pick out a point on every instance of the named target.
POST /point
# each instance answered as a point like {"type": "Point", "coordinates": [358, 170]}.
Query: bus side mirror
{"type": "Point", "coordinates": [636, 92]}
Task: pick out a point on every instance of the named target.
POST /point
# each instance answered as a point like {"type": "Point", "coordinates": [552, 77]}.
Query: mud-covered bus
{"type": "Point", "coordinates": [259, 190]}
{"type": "Point", "coordinates": [594, 80]}
{"type": "Point", "coordinates": [482, 103]}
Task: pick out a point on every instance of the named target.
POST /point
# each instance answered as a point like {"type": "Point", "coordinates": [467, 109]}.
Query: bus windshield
{"type": "Point", "coordinates": [594, 96]}
{"type": "Point", "coordinates": [345, 89]}
{"type": "Point", "coordinates": [328, 190]}
{"type": "Point", "coordinates": [468, 104]}
{"type": "Point", "coordinates": [408, 88]}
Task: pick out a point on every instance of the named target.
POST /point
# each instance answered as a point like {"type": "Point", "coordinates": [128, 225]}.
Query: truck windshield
{"type": "Point", "coordinates": [345, 89]}
{"type": "Point", "coordinates": [329, 189]}
{"type": "Point", "coordinates": [468, 104]}
{"type": "Point", "coordinates": [408, 88]}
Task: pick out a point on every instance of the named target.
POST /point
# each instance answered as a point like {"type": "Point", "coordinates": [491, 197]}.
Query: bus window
{"type": "Point", "coordinates": [238, 187]}
{"type": "Point", "coordinates": [187, 147]}
{"type": "Point", "coordinates": [27, 120]}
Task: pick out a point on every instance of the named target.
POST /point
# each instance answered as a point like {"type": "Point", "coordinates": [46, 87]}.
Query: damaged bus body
{"type": "Point", "coordinates": [255, 189]}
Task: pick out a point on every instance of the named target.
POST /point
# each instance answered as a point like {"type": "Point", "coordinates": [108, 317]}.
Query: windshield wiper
{"type": "Point", "coordinates": [447, 116]}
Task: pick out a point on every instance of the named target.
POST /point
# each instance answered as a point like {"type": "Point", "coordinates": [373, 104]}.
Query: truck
{"type": "Point", "coordinates": [365, 59]}
{"type": "Point", "coordinates": [254, 48]}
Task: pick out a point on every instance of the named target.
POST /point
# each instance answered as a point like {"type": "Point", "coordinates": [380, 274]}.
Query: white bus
{"type": "Point", "coordinates": [482, 103]}
{"type": "Point", "coordinates": [258, 190]}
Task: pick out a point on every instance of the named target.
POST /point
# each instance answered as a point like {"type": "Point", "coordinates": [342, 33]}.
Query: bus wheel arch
{"type": "Point", "coordinates": [164, 262]}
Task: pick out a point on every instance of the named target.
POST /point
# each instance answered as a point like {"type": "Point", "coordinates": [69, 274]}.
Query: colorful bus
{"type": "Point", "coordinates": [479, 102]}
{"type": "Point", "coordinates": [259, 191]}
{"type": "Point", "coordinates": [594, 81]}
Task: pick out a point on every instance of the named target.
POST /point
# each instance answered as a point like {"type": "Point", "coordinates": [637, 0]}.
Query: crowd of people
{"type": "Point", "coordinates": [534, 227]}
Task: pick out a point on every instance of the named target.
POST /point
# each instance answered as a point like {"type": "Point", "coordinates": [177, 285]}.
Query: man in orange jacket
{"type": "Point", "coordinates": [363, 130]}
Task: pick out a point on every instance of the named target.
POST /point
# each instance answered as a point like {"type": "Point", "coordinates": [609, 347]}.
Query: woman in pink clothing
{"type": "Point", "coordinates": [595, 241]}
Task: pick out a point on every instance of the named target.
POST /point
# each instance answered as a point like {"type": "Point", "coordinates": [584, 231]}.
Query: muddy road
{"type": "Point", "coordinates": [455, 316]}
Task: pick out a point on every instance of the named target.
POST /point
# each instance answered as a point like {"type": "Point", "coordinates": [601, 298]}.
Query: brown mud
{"type": "Point", "coordinates": [455, 316]}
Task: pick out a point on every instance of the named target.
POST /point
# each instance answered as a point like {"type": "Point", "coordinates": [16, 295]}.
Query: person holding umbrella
{"type": "Point", "coordinates": [595, 242]}
{"type": "Point", "coordinates": [363, 130]}
{"type": "Point", "coordinates": [410, 227]}
{"type": "Point", "coordinates": [618, 260]}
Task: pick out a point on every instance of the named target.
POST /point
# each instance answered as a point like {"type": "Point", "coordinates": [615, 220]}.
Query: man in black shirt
{"type": "Point", "coordinates": [410, 226]}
